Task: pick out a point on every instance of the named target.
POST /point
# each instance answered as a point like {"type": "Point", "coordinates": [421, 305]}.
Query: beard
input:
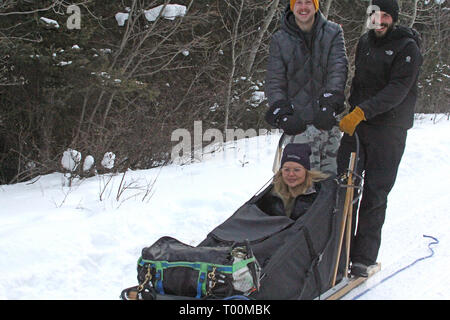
{"type": "Point", "coordinates": [384, 33]}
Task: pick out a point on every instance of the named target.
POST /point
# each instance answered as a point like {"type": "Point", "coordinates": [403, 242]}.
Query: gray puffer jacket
{"type": "Point", "coordinates": [303, 69]}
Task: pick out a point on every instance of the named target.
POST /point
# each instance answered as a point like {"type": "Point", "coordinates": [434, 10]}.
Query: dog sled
{"type": "Point", "coordinates": [254, 255]}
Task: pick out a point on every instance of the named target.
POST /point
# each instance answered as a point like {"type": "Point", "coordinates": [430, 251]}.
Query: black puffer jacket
{"type": "Point", "coordinates": [301, 70]}
{"type": "Point", "coordinates": [273, 205]}
{"type": "Point", "coordinates": [385, 81]}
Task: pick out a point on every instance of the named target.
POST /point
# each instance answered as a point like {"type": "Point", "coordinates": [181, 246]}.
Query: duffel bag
{"type": "Point", "coordinates": [170, 267]}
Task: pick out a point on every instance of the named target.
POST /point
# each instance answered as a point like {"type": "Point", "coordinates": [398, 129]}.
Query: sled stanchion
{"type": "Point", "coordinates": [345, 217]}
{"type": "Point", "coordinates": [348, 282]}
{"type": "Point", "coordinates": [349, 214]}
{"type": "Point", "coordinates": [278, 153]}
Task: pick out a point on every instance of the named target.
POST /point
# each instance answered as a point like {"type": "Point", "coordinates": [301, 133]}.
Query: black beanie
{"type": "Point", "coordinates": [388, 6]}
{"type": "Point", "coordinates": [297, 152]}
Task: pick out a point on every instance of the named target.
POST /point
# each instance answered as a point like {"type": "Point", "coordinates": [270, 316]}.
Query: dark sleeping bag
{"type": "Point", "coordinates": [297, 257]}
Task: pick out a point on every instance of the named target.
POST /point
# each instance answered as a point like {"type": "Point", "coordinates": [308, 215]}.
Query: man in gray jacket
{"type": "Point", "coordinates": [305, 82]}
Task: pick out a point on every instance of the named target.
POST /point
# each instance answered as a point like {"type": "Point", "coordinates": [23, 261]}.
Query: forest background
{"type": "Point", "coordinates": [77, 74]}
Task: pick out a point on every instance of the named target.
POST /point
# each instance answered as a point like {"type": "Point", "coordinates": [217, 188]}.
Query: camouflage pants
{"type": "Point", "coordinates": [324, 147]}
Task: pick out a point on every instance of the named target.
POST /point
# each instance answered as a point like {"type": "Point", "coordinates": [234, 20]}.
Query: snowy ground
{"type": "Point", "coordinates": [65, 243]}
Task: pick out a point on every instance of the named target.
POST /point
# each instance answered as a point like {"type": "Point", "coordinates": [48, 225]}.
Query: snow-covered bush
{"type": "Point", "coordinates": [88, 164]}
{"type": "Point", "coordinates": [70, 160]}
{"type": "Point", "coordinates": [108, 160]}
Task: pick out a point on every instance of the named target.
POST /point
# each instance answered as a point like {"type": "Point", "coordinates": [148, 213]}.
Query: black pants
{"type": "Point", "coordinates": [381, 150]}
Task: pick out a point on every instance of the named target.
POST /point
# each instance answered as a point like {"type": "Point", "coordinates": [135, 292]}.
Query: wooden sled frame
{"type": "Point", "coordinates": [347, 284]}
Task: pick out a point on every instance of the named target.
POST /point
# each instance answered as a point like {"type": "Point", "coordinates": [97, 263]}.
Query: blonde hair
{"type": "Point", "coordinates": [287, 194]}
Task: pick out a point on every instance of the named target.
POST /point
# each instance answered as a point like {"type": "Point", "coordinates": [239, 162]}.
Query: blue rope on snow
{"type": "Point", "coordinates": [436, 241]}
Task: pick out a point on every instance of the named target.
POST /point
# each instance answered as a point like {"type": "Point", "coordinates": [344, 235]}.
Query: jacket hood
{"type": "Point", "coordinates": [398, 32]}
{"type": "Point", "coordinates": [410, 33]}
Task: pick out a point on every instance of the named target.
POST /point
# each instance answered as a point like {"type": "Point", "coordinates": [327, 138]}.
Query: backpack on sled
{"type": "Point", "coordinates": [170, 268]}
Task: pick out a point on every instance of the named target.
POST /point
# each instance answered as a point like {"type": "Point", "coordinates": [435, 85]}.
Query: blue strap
{"type": "Point", "coordinates": [159, 283]}
{"type": "Point", "coordinates": [201, 279]}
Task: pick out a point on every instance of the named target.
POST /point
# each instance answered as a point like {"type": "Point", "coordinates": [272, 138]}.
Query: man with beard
{"type": "Point", "coordinates": [383, 96]}
{"type": "Point", "coordinates": [305, 82]}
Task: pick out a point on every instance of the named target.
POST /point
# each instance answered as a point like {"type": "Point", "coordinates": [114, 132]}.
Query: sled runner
{"type": "Point", "coordinates": [260, 256]}
{"type": "Point", "coordinates": [348, 284]}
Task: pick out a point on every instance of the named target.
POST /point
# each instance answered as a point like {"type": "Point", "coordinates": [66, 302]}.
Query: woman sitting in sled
{"type": "Point", "coordinates": [295, 185]}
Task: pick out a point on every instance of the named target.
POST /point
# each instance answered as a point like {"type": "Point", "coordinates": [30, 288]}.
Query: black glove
{"type": "Point", "coordinates": [292, 125]}
{"type": "Point", "coordinates": [325, 119]}
{"type": "Point", "coordinates": [278, 110]}
{"type": "Point", "coordinates": [334, 100]}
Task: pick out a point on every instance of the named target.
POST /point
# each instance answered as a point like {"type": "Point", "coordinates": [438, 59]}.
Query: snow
{"type": "Point", "coordinates": [50, 22]}
{"type": "Point", "coordinates": [121, 18]}
{"type": "Point", "coordinates": [88, 163]}
{"type": "Point", "coordinates": [418, 205]}
{"type": "Point", "coordinates": [257, 98]}
{"type": "Point", "coordinates": [64, 63]}
{"type": "Point", "coordinates": [70, 159]}
{"type": "Point", "coordinates": [108, 160]}
{"type": "Point", "coordinates": [83, 241]}
{"type": "Point", "coordinates": [170, 12]}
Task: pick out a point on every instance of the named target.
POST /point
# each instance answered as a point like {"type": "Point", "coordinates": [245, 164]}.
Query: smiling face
{"type": "Point", "coordinates": [304, 12]}
{"type": "Point", "coordinates": [293, 173]}
{"type": "Point", "coordinates": [382, 22]}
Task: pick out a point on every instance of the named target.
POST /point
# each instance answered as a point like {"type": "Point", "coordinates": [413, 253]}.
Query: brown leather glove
{"type": "Point", "coordinates": [349, 122]}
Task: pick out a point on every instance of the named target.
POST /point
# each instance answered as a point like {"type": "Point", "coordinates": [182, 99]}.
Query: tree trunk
{"type": "Point", "coordinates": [326, 8]}
{"type": "Point", "coordinates": [234, 36]}
{"type": "Point", "coordinates": [255, 47]}
{"type": "Point", "coordinates": [414, 15]}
